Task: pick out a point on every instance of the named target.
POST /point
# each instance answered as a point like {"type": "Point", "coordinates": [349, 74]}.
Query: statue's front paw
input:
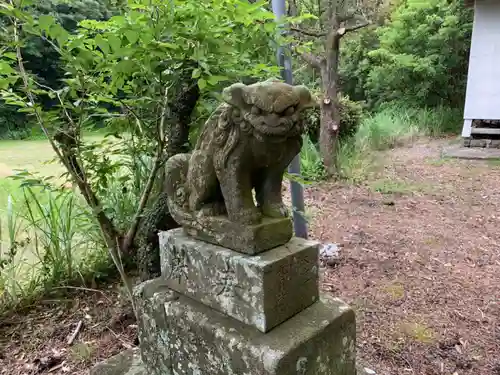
{"type": "Point", "coordinates": [277, 210]}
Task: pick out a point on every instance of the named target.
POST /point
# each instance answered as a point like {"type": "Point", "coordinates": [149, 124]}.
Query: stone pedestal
{"type": "Point", "coordinates": [262, 290]}
{"type": "Point", "coordinates": [215, 311]}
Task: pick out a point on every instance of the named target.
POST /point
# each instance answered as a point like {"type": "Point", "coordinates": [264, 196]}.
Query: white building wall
{"type": "Point", "coordinates": [483, 81]}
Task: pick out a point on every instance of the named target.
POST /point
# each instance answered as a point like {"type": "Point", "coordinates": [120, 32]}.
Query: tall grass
{"type": "Point", "coordinates": [59, 231]}
{"type": "Point", "coordinates": [51, 236]}
{"type": "Point", "coordinates": [311, 165]}
{"type": "Point", "coordinates": [16, 282]}
{"type": "Point", "coordinates": [393, 125]}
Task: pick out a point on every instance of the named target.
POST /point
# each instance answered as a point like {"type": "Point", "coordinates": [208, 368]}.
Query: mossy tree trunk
{"type": "Point", "coordinates": [183, 101]}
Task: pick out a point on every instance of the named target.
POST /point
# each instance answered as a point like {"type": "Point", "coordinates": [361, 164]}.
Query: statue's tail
{"type": "Point", "coordinates": [176, 169]}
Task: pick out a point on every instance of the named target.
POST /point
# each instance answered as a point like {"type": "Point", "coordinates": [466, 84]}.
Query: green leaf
{"type": "Point", "coordinates": [102, 44]}
{"type": "Point", "coordinates": [10, 55]}
{"type": "Point", "coordinates": [45, 22]}
{"type": "Point", "coordinates": [269, 27]}
{"type": "Point", "coordinates": [132, 36]}
{"type": "Point", "coordinates": [213, 80]}
{"type": "Point", "coordinates": [5, 68]}
{"type": "Point", "coordinates": [4, 84]}
{"type": "Point", "coordinates": [125, 66]}
{"type": "Point", "coordinates": [297, 178]}
{"type": "Point", "coordinates": [196, 73]}
{"type": "Point", "coordinates": [202, 83]}
{"type": "Point", "coordinates": [114, 42]}
{"type": "Point", "coordinates": [168, 45]}
{"type": "Point", "coordinates": [59, 33]}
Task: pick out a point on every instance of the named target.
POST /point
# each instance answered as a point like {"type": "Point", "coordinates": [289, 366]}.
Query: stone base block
{"type": "Point", "coordinates": [470, 153]}
{"type": "Point", "coordinates": [126, 363]}
{"type": "Point", "coordinates": [262, 290]}
{"type": "Point", "coordinates": [150, 298]}
{"type": "Point", "coordinates": [248, 239]}
{"type": "Point", "coordinates": [193, 339]}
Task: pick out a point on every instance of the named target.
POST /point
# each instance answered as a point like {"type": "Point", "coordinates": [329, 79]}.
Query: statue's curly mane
{"type": "Point", "coordinates": [224, 127]}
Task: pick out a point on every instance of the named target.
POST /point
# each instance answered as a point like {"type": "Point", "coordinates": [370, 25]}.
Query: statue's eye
{"type": "Point", "coordinates": [255, 111]}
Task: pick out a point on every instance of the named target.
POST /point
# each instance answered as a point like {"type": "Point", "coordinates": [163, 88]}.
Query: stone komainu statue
{"type": "Point", "coordinates": [245, 145]}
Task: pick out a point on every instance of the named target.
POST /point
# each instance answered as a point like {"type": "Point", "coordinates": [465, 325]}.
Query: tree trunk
{"type": "Point", "coordinates": [330, 115]}
{"type": "Point", "coordinates": [292, 8]}
{"type": "Point", "coordinates": [328, 135]}
{"type": "Point", "coordinates": [333, 22]}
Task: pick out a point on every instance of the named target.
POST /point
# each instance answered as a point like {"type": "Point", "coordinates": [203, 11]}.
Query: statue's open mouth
{"type": "Point", "coordinates": [272, 125]}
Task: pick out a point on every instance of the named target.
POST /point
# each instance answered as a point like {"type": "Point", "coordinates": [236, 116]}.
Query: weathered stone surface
{"type": "Point", "coordinates": [318, 341]}
{"type": "Point", "coordinates": [456, 151]}
{"type": "Point", "coordinates": [126, 363]}
{"type": "Point", "coordinates": [484, 143]}
{"type": "Point", "coordinates": [479, 143]}
{"type": "Point", "coordinates": [248, 239]}
{"type": "Point", "coordinates": [150, 298]}
{"type": "Point", "coordinates": [262, 290]}
{"type": "Point", "coordinates": [246, 145]}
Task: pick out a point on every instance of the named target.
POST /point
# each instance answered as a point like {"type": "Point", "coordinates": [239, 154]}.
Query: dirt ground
{"type": "Point", "coordinates": [419, 261]}
{"type": "Point", "coordinates": [101, 322]}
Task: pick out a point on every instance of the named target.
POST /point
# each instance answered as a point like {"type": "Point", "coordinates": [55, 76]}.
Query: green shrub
{"type": "Point", "coordinates": [13, 125]}
{"type": "Point", "coordinates": [355, 64]}
{"type": "Point", "coordinates": [351, 113]}
{"type": "Point", "coordinates": [124, 188]}
{"type": "Point", "coordinates": [422, 58]}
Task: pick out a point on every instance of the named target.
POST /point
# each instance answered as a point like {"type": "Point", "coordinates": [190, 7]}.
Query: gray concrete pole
{"type": "Point", "coordinates": [296, 189]}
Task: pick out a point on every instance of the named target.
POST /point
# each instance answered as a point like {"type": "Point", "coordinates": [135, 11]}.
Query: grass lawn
{"type": "Point", "coordinates": [32, 155]}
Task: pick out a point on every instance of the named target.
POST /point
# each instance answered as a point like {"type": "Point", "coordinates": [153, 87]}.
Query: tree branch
{"type": "Point", "coordinates": [349, 15]}
{"type": "Point", "coordinates": [28, 92]}
{"type": "Point", "coordinates": [158, 160]}
{"type": "Point", "coordinates": [343, 30]}
{"type": "Point", "coordinates": [316, 34]}
{"type": "Point", "coordinates": [313, 60]}
{"type": "Point", "coordinates": [106, 225]}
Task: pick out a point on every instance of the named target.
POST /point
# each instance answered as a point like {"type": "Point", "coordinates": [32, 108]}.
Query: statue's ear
{"type": "Point", "coordinates": [306, 100]}
{"type": "Point", "coordinates": [234, 94]}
